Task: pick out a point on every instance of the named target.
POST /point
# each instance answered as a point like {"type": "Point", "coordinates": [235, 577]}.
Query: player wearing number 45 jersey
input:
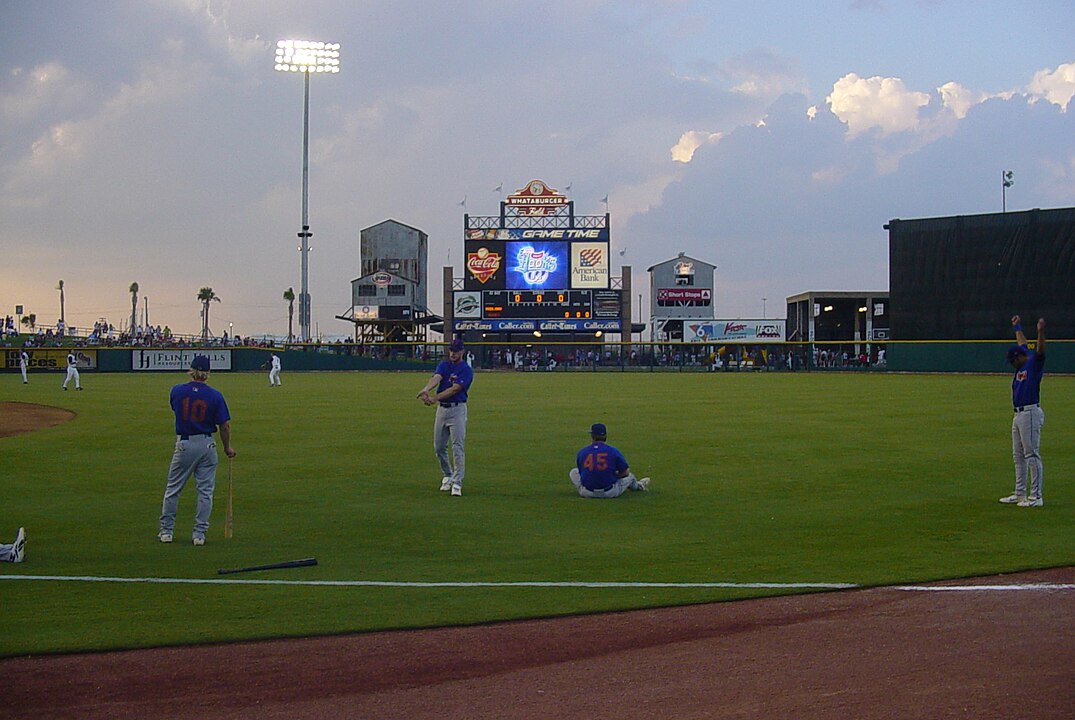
{"type": "Point", "coordinates": [199, 411]}
{"type": "Point", "coordinates": [601, 471]}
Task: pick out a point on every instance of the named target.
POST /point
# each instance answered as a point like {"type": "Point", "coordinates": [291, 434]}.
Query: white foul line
{"type": "Point", "coordinates": [986, 588]}
{"type": "Point", "coordinates": [448, 584]}
{"type": "Point", "coordinates": [539, 584]}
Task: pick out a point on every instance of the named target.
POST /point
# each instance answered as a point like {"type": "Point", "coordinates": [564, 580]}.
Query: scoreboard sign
{"type": "Point", "coordinates": [536, 258]}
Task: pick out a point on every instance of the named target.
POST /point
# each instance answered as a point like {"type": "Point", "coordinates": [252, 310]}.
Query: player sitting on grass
{"type": "Point", "coordinates": [601, 470]}
{"type": "Point", "coordinates": [16, 551]}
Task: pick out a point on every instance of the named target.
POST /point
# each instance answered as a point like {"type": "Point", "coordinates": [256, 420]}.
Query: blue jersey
{"type": "Point", "coordinates": [1026, 385]}
{"type": "Point", "coordinates": [452, 373]}
{"type": "Point", "coordinates": [198, 409]}
{"type": "Point", "coordinates": [598, 464]}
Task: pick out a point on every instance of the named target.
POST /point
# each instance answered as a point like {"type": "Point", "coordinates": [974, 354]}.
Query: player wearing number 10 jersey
{"type": "Point", "coordinates": [601, 471]}
{"type": "Point", "coordinates": [199, 411]}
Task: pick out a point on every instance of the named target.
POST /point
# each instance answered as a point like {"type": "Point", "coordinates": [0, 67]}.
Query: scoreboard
{"type": "Point", "coordinates": [535, 310]}
{"type": "Point", "coordinates": [519, 279]}
{"type": "Point", "coordinates": [558, 304]}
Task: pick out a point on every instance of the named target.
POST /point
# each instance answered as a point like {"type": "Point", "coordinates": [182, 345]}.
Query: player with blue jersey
{"type": "Point", "coordinates": [601, 471]}
{"type": "Point", "coordinates": [452, 379]}
{"type": "Point", "coordinates": [199, 411]}
{"type": "Point", "coordinates": [1029, 417]}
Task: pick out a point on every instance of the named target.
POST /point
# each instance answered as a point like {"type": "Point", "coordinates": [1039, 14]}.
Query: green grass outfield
{"type": "Point", "coordinates": [857, 478]}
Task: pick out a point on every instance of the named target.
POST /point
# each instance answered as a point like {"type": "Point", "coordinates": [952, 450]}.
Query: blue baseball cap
{"type": "Point", "coordinates": [200, 362]}
{"type": "Point", "coordinates": [598, 429]}
{"type": "Point", "coordinates": [456, 345]}
{"type": "Point", "coordinates": [1016, 350]}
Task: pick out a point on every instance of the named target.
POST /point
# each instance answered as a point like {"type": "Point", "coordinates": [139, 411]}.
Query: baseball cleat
{"type": "Point", "coordinates": [18, 549]}
{"type": "Point", "coordinates": [1031, 502]}
{"type": "Point", "coordinates": [198, 540]}
{"type": "Point", "coordinates": [445, 484]}
{"type": "Point", "coordinates": [643, 484]}
{"type": "Point", "coordinates": [1013, 499]}
{"type": "Point", "coordinates": [164, 537]}
{"type": "Point", "coordinates": [457, 490]}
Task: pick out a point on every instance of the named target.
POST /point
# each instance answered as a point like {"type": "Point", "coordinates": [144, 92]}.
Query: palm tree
{"type": "Point", "coordinates": [63, 318]}
{"type": "Point", "coordinates": [206, 296]}
{"type": "Point", "coordinates": [134, 306]}
{"type": "Point", "coordinates": [30, 320]}
{"type": "Point", "coordinates": [289, 295]}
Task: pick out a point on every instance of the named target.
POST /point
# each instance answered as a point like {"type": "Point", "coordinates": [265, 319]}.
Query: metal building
{"type": "Point", "coordinates": [389, 299]}
{"type": "Point", "coordinates": [858, 318]}
{"type": "Point", "coordinates": [680, 289]}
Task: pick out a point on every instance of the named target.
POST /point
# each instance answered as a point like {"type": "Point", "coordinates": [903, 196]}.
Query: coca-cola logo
{"type": "Point", "coordinates": [483, 264]}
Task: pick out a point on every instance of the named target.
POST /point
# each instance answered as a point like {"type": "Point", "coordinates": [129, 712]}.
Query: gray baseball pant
{"type": "Point", "coordinates": [1026, 441]}
{"type": "Point", "coordinates": [193, 456]}
{"type": "Point", "coordinates": [622, 485]}
{"type": "Point", "coordinates": [451, 424]}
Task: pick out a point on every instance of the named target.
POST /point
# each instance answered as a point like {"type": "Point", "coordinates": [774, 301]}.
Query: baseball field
{"type": "Point", "coordinates": [763, 484]}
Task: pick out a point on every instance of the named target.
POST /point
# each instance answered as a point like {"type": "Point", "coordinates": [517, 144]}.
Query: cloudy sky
{"type": "Point", "coordinates": [151, 141]}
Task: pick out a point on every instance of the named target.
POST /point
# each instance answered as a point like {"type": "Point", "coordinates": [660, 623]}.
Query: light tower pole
{"type": "Point", "coordinates": [306, 56]}
{"type": "Point", "coordinates": [1006, 182]}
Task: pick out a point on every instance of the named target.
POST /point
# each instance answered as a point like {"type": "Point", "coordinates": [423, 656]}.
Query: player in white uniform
{"type": "Point", "coordinates": [274, 371]}
{"type": "Point", "coordinates": [24, 362]}
{"type": "Point", "coordinates": [72, 372]}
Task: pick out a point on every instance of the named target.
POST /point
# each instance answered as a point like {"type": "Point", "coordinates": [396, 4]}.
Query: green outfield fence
{"type": "Point", "coordinates": [891, 356]}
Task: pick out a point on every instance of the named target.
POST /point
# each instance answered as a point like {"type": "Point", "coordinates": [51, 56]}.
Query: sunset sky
{"type": "Point", "coordinates": [152, 141]}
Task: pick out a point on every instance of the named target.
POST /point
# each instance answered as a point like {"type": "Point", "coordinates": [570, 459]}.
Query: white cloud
{"type": "Point", "coordinates": [876, 102]}
{"type": "Point", "coordinates": [683, 151]}
{"type": "Point", "coordinates": [1056, 86]}
{"type": "Point", "coordinates": [959, 99]}
{"type": "Point", "coordinates": [47, 88]}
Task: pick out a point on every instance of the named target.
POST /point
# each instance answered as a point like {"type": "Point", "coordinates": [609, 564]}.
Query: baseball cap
{"type": "Point", "coordinates": [200, 362]}
{"type": "Point", "coordinates": [1014, 350]}
{"type": "Point", "coordinates": [598, 429]}
{"type": "Point", "coordinates": [456, 345]}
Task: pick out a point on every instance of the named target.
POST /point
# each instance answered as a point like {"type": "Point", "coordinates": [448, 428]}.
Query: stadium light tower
{"type": "Point", "coordinates": [306, 57]}
{"type": "Point", "coordinates": [1006, 182]}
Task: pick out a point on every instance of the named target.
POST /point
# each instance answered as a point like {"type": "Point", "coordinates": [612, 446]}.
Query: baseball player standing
{"type": "Point", "coordinates": [452, 378]}
{"type": "Point", "coordinates": [1029, 417]}
{"type": "Point", "coordinates": [274, 370]}
{"type": "Point", "coordinates": [24, 363]}
{"type": "Point", "coordinates": [72, 371]}
{"type": "Point", "coordinates": [199, 411]}
{"type": "Point", "coordinates": [601, 471]}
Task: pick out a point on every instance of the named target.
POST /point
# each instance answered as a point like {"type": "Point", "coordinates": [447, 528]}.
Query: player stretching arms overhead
{"type": "Point", "coordinates": [1029, 417]}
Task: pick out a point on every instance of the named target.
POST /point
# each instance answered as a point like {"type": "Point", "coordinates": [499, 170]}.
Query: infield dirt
{"type": "Point", "coordinates": [868, 654]}
{"type": "Point", "coordinates": [17, 418]}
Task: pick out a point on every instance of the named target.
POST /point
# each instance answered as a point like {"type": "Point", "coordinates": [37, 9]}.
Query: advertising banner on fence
{"type": "Point", "coordinates": [178, 359]}
{"type": "Point", "coordinates": [542, 325]}
{"type": "Point", "coordinates": [50, 359]}
{"type": "Point", "coordinates": [759, 331]}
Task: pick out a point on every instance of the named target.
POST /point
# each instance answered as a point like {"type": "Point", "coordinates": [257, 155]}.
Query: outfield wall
{"type": "Point", "coordinates": [971, 356]}
{"type": "Point", "coordinates": [901, 356]}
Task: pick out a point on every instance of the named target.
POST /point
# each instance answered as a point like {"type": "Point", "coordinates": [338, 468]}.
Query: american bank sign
{"type": "Point", "coordinates": [178, 359]}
